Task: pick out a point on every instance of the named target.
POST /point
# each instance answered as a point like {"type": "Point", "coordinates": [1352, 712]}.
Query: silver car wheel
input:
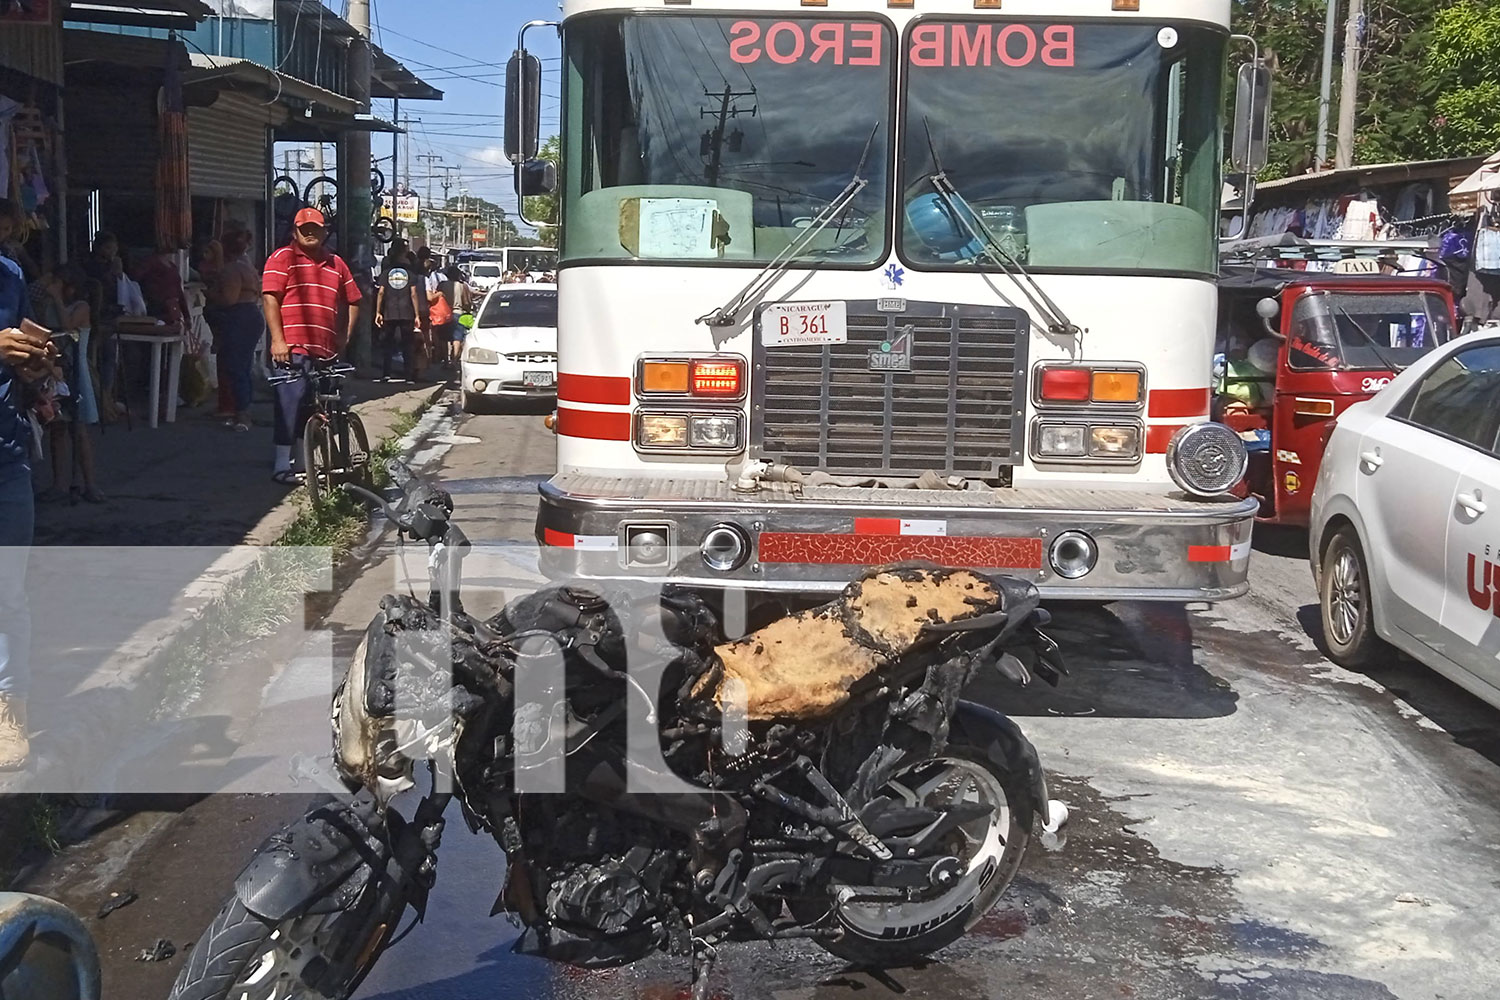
{"type": "Point", "coordinates": [1346, 598]}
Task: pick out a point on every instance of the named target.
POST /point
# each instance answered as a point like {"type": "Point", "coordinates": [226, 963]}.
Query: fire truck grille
{"type": "Point", "coordinates": [954, 405]}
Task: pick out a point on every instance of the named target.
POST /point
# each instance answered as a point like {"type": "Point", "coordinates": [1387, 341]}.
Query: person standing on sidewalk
{"type": "Point", "coordinates": [305, 287]}
{"type": "Point", "coordinates": [19, 355]}
{"type": "Point", "coordinates": [235, 295]}
{"type": "Point", "coordinates": [397, 306]}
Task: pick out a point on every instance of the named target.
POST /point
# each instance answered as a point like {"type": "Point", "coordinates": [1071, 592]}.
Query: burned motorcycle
{"type": "Point", "coordinates": [655, 786]}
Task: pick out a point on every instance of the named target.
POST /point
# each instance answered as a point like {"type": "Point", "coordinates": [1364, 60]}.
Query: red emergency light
{"type": "Point", "coordinates": [717, 379]}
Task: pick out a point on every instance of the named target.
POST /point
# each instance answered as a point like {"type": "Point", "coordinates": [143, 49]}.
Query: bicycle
{"type": "Point", "coordinates": [335, 447]}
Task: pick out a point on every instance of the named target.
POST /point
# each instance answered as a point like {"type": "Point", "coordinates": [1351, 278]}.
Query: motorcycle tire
{"type": "Point", "coordinates": [904, 934]}
{"type": "Point", "coordinates": [237, 943]}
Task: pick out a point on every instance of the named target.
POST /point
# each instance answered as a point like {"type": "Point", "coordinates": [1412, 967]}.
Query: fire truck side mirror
{"type": "Point", "coordinates": [523, 106]}
{"type": "Point", "coordinates": [536, 177]}
{"type": "Point", "coordinates": [1250, 150]}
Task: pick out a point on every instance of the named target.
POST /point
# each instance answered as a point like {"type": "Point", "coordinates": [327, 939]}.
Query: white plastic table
{"type": "Point", "coordinates": [173, 343]}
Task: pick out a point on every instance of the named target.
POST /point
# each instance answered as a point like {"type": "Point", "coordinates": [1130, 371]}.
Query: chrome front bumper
{"type": "Point", "coordinates": [1153, 547]}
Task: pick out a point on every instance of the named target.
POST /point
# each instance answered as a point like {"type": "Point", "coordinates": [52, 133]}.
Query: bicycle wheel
{"type": "Point", "coordinates": [285, 186]}
{"type": "Point", "coordinates": [317, 458]}
{"type": "Point", "coordinates": [321, 191]}
{"type": "Point", "coordinates": [357, 448]}
{"type": "Point", "coordinates": [377, 183]}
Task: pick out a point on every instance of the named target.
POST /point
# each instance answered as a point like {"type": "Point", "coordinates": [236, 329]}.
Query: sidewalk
{"type": "Point", "coordinates": [194, 482]}
{"type": "Point", "coordinates": [112, 585]}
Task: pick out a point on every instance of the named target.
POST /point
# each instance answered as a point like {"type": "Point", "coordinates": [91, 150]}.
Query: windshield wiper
{"type": "Point", "coordinates": [726, 314]}
{"type": "Point", "coordinates": [1374, 344]}
{"type": "Point", "coordinates": [1057, 320]}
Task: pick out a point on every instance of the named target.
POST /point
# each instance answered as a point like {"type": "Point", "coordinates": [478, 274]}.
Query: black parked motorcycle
{"type": "Point", "coordinates": [820, 778]}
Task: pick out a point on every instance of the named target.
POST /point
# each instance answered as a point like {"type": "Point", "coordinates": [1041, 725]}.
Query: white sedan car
{"type": "Point", "coordinates": [1405, 535]}
{"type": "Point", "coordinates": [511, 353]}
{"type": "Point", "coordinates": [485, 275]}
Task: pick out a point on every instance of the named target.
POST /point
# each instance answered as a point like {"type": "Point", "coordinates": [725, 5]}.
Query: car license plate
{"type": "Point", "coordinates": [539, 379]}
{"type": "Point", "coordinates": [797, 324]}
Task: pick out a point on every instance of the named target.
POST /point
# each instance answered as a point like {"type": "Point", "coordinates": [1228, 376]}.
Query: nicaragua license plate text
{"type": "Point", "coordinates": [537, 378]}
{"type": "Point", "coordinates": [794, 324]}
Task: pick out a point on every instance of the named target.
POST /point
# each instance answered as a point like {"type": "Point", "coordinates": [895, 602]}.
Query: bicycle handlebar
{"type": "Point", "coordinates": [321, 369]}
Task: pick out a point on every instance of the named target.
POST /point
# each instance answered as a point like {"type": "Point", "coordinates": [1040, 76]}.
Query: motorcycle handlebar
{"type": "Point", "coordinates": [396, 515]}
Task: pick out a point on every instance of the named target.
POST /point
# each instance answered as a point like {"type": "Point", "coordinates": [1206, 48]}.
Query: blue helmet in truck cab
{"type": "Point", "coordinates": [939, 229]}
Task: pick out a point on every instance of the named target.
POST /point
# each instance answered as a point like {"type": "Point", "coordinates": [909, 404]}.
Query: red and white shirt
{"type": "Point", "coordinates": [313, 292]}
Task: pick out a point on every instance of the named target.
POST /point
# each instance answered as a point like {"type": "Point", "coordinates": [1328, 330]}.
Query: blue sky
{"type": "Point", "coordinates": [461, 47]}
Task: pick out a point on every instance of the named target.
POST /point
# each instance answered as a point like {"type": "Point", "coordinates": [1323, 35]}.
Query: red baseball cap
{"type": "Point", "coordinates": [310, 215]}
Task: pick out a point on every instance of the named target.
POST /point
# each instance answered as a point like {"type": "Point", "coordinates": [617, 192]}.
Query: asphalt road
{"type": "Point", "coordinates": [1250, 822]}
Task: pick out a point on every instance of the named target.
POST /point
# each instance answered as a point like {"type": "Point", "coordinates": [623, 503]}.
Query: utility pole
{"type": "Point", "coordinates": [1349, 95]}
{"type": "Point", "coordinates": [431, 158]}
{"type": "Point", "coordinates": [354, 163]}
{"type": "Point", "coordinates": [1325, 100]}
{"type": "Point", "coordinates": [713, 140]}
{"type": "Point", "coordinates": [406, 166]}
{"type": "Point", "coordinates": [448, 171]}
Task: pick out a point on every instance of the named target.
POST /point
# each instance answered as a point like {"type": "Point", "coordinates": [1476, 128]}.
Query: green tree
{"type": "Point", "coordinates": [544, 208]}
{"type": "Point", "coordinates": [1466, 52]}
{"type": "Point", "coordinates": [1404, 78]}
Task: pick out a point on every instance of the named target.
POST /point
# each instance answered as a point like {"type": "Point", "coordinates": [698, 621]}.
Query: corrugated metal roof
{"type": "Point", "coordinates": [1376, 173]}
{"type": "Point", "coordinates": [206, 68]}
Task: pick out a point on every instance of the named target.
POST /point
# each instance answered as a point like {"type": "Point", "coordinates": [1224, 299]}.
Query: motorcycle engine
{"type": "Point", "coordinates": [608, 898]}
{"type": "Point", "coordinates": [600, 914]}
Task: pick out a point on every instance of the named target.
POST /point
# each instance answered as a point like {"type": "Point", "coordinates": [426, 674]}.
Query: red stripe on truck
{"type": "Point", "coordinates": [561, 539]}
{"type": "Point", "coordinates": [603, 389]}
{"type": "Point", "coordinates": [1157, 438]}
{"type": "Point", "coordinates": [593, 424]}
{"type": "Point", "coordinates": [1179, 403]}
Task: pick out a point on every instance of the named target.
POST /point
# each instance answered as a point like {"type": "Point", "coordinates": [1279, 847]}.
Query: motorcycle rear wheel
{"type": "Point", "coordinates": [244, 957]}
{"type": "Point", "coordinates": [879, 934]}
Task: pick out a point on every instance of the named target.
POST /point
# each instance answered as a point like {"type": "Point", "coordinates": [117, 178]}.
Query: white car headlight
{"type": "Point", "coordinates": [481, 356]}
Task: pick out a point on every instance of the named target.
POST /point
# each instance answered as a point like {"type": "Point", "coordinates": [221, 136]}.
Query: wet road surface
{"type": "Point", "coordinates": [1249, 822]}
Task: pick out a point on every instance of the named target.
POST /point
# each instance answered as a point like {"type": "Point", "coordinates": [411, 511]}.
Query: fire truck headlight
{"type": "Point", "coordinates": [720, 432]}
{"type": "Point", "coordinates": [662, 430]}
{"type": "Point", "coordinates": [1207, 460]}
{"type": "Point", "coordinates": [1062, 441]}
{"type": "Point", "coordinates": [1115, 442]}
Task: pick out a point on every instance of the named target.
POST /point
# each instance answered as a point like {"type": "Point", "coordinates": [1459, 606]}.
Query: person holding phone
{"type": "Point", "coordinates": [26, 354]}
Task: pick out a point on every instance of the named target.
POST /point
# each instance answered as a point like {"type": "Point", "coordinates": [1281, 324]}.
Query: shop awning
{"type": "Point", "coordinates": [1486, 178]}
{"type": "Point", "coordinates": [139, 13]}
{"type": "Point", "coordinates": [219, 72]}
{"type": "Point", "coordinates": [326, 126]}
{"type": "Point", "coordinates": [391, 79]}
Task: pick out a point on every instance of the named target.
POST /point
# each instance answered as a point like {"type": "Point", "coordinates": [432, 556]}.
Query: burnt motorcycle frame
{"type": "Point", "coordinates": [355, 857]}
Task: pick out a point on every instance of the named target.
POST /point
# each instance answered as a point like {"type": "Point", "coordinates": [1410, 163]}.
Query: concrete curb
{"type": "Point", "coordinates": [123, 674]}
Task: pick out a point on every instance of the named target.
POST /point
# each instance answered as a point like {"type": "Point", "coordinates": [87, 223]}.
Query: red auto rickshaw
{"type": "Point", "coordinates": [1301, 348]}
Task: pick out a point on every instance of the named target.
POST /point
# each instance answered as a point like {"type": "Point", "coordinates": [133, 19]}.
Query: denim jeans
{"type": "Point", "coordinates": [293, 403]}
{"type": "Point", "coordinates": [241, 329]}
{"type": "Point", "coordinates": [17, 518]}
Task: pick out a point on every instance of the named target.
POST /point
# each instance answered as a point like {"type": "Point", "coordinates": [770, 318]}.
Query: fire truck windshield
{"type": "Point", "coordinates": [722, 139]}
{"type": "Point", "coordinates": [1099, 150]}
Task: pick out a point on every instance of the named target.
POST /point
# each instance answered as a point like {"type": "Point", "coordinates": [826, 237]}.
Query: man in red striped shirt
{"type": "Point", "coordinates": [312, 304]}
